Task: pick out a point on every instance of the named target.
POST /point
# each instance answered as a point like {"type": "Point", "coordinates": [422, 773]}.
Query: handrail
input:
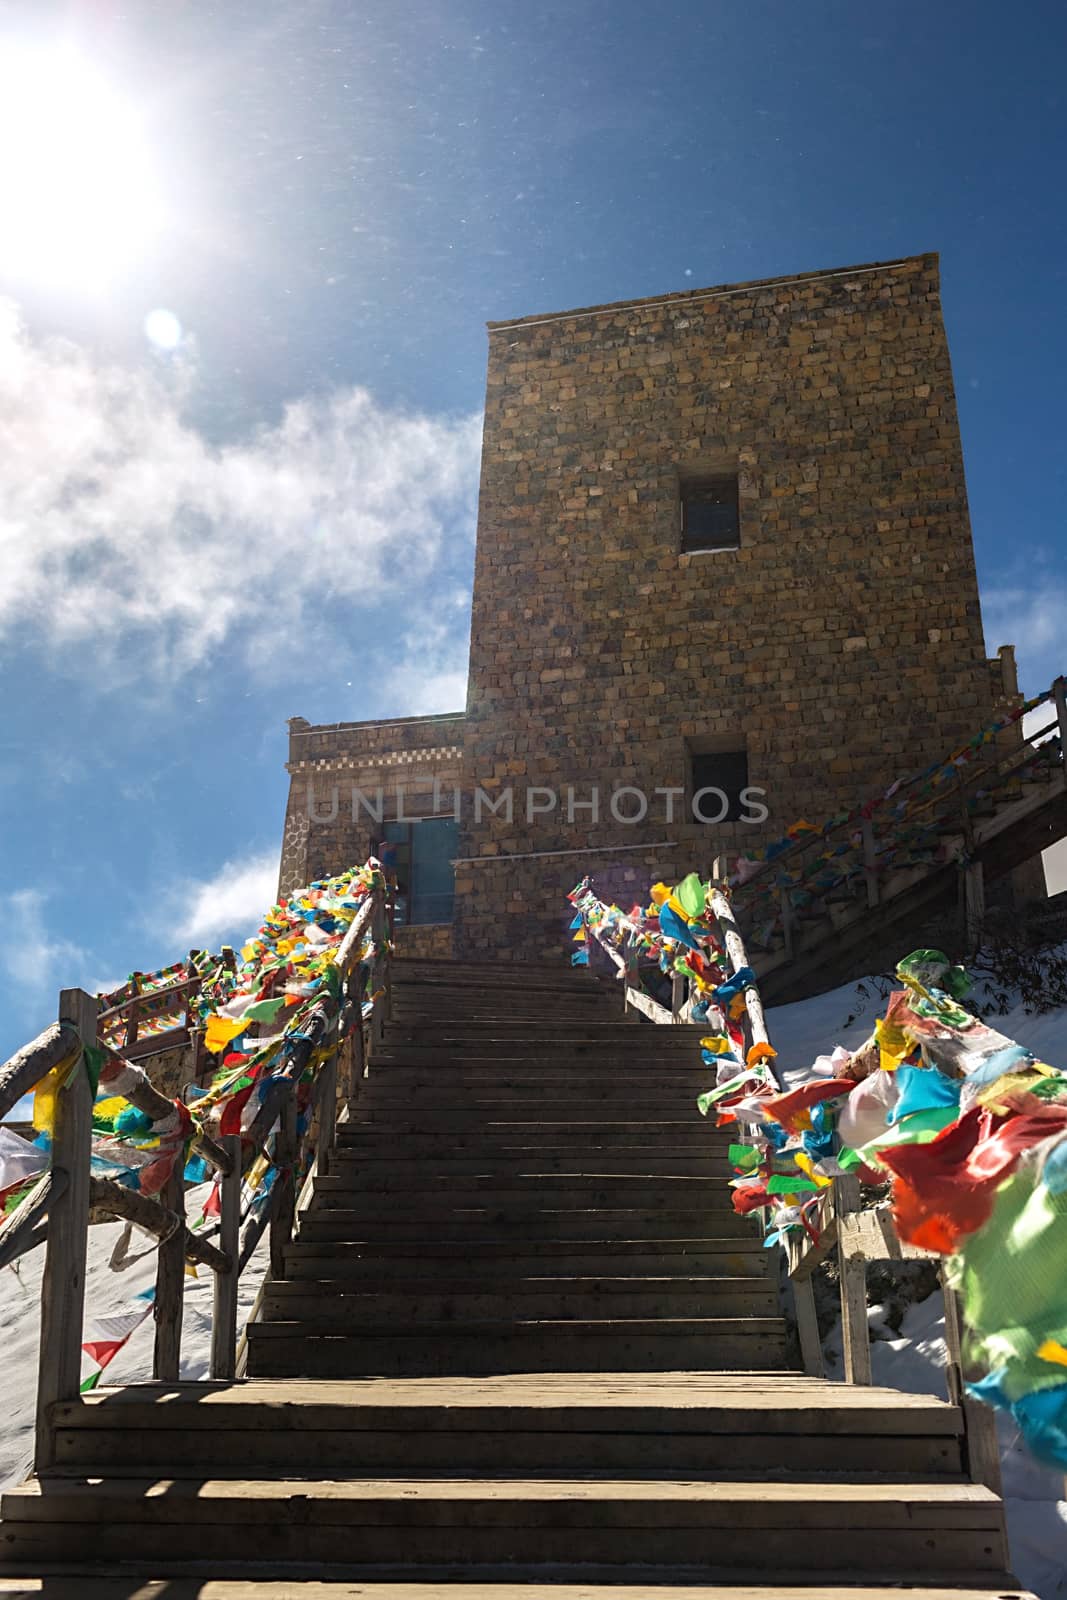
{"type": "Point", "coordinates": [335, 1037]}
{"type": "Point", "coordinates": [836, 1224]}
{"type": "Point", "coordinates": [892, 795]}
{"type": "Point", "coordinates": [26, 1068]}
{"type": "Point", "coordinates": [778, 887]}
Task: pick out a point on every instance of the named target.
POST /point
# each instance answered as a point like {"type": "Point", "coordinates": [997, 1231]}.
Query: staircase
{"type": "Point", "coordinates": [522, 1340]}
{"type": "Point", "coordinates": [835, 905]}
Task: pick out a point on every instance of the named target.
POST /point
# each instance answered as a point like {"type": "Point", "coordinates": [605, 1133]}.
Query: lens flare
{"type": "Point", "coordinates": [78, 197]}
{"type": "Point", "coordinates": [163, 329]}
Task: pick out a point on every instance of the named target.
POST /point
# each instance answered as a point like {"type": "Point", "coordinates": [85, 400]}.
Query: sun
{"type": "Point", "coordinates": [79, 200]}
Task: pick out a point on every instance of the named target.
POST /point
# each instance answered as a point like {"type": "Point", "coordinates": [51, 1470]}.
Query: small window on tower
{"type": "Point", "coordinates": [717, 780]}
{"type": "Point", "coordinates": [710, 519]}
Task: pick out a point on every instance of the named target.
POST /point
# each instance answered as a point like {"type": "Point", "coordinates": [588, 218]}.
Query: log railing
{"type": "Point", "coordinates": [622, 953]}
{"type": "Point", "coordinates": [931, 818]}
{"type": "Point", "coordinates": [857, 1236]}
{"type": "Point", "coordinates": [839, 1226]}
{"type": "Point", "coordinates": [56, 1209]}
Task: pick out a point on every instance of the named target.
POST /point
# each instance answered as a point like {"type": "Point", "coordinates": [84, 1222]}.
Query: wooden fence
{"type": "Point", "coordinates": [940, 818]}
{"type": "Point", "coordinates": [56, 1211]}
{"type": "Point", "coordinates": [839, 1225]}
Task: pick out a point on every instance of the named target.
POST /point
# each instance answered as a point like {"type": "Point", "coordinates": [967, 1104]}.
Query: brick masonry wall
{"type": "Point", "coordinates": [843, 639]}
{"type": "Point", "coordinates": [325, 833]}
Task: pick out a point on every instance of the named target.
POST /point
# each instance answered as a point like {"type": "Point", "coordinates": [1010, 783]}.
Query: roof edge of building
{"type": "Point", "coordinates": [300, 728]}
{"type": "Point", "coordinates": [684, 296]}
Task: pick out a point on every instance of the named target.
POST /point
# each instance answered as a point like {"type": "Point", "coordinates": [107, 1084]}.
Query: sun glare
{"type": "Point", "coordinates": [78, 198]}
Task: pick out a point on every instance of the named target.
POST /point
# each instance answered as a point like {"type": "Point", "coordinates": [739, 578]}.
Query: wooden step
{"type": "Point", "coordinates": [616, 1034]}
{"type": "Point", "coordinates": [518, 1583]}
{"type": "Point", "coordinates": [436, 1261]}
{"type": "Point", "coordinates": [602, 1041]}
{"type": "Point", "coordinates": [500, 1115]}
{"type": "Point", "coordinates": [471, 1224]}
{"type": "Point", "coordinates": [362, 1172]}
{"type": "Point", "coordinates": [518, 1063]}
{"type": "Point", "coordinates": [326, 1302]}
{"type": "Point", "coordinates": [565, 1191]}
{"type": "Point", "coordinates": [503, 1091]}
{"type": "Point", "coordinates": [793, 1526]}
{"type": "Point", "coordinates": [693, 1136]}
{"type": "Point", "coordinates": [588, 1422]}
{"type": "Point", "coordinates": [303, 1349]}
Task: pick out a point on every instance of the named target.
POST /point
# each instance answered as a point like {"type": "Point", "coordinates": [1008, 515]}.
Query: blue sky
{"type": "Point", "coordinates": [266, 509]}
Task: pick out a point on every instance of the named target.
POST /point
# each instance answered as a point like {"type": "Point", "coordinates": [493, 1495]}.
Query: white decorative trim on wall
{"type": "Point", "coordinates": [371, 761]}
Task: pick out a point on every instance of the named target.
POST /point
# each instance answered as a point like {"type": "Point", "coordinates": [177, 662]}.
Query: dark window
{"type": "Point", "coordinates": [425, 877]}
{"type": "Point", "coordinates": [710, 519]}
{"type": "Point", "coordinates": [725, 771]}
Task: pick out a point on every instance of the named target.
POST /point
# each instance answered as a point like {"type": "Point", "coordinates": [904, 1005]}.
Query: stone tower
{"type": "Point", "coordinates": [723, 546]}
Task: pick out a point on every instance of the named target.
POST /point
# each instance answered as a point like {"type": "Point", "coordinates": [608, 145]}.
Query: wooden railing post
{"type": "Point", "coordinates": [677, 997]}
{"type": "Point", "coordinates": [738, 959]}
{"type": "Point", "coordinates": [63, 1282]}
{"type": "Point", "coordinates": [979, 1423]}
{"type": "Point", "coordinates": [855, 1333]}
{"type": "Point", "coordinates": [170, 1281]}
{"type": "Point", "coordinates": [802, 1280]}
{"type": "Point", "coordinates": [870, 862]}
{"type": "Point", "coordinates": [224, 1310]}
{"type": "Point", "coordinates": [380, 936]}
{"type": "Point", "coordinates": [786, 908]}
{"type": "Point", "coordinates": [1059, 696]}
{"type": "Point", "coordinates": [357, 1060]}
{"type": "Point", "coordinates": [284, 1208]}
{"type": "Point", "coordinates": [973, 904]}
{"type": "Point", "coordinates": [630, 980]}
{"type": "Point", "coordinates": [327, 1108]}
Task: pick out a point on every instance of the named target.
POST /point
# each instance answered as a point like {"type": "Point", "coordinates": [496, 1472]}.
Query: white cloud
{"type": "Point", "coordinates": [428, 673]}
{"type": "Point", "coordinates": [225, 908]}
{"type": "Point", "coordinates": [1035, 621]}
{"type": "Point", "coordinates": [30, 958]}
{"type": "Point", "coordinates": [123, 527]}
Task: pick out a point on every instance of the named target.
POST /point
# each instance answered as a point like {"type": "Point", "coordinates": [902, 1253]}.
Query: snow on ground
{"type": "Point", "coordinates": [106, 1293]}
{"type": "Point", "coordinates": [914, 1360]}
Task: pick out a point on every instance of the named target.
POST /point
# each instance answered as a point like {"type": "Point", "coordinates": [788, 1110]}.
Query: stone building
{"type": "Point", "coordinates": [723, 547]}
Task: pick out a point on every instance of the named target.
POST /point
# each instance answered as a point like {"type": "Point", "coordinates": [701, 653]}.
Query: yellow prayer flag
{"type": "Point", "coordinates": [219, 1032]}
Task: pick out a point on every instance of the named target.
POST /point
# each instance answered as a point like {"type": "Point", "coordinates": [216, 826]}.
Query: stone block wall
{"type": "Point", "coordinates": [841, 644]}
{"type": "Point", "coordinates": [326, 830]}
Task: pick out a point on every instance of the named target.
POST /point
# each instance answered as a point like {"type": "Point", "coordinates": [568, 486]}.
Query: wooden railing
{"type": "Point", "coordinates": [56, 1210]}
{"type": "Point", "coordinates": [944, 811]}
{"type": "Point", "coordinates": [856, 1235]}
{"type": "Point", "coordinates": [839, 1226]}
{"type": "Point", "coordinates": [638, 1004]}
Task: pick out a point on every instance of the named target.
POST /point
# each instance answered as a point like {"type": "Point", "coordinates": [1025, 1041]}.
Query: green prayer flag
{"type": "Point", "coordinates": [690, 894]}
{"type": "Point", "coordinates": [1012, 1274]}
{"type": "Point", "coordinates": [786, 1185]}
{"type": "Point", "coordinates": [94, 1061]}
{"type": "Point", "coordinates": [264, 1010]}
